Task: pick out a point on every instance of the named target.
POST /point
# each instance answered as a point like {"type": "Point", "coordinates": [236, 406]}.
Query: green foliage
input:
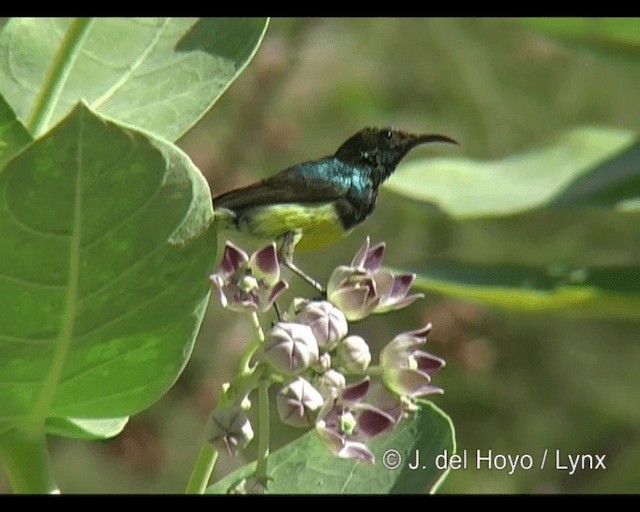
{"type": "Point", "coordinates": [105, 240]}
{"type": "Point", "coordinates": [619, 31]}
{"type": "Point", "coordinates": [585, 188]}
{"type": "Point", "coordinates": [13, 136]}
{"type": "Point", "coordinates": [107, 231]}
{"type": "Point", "coordinates": [305, 466]}
{"type": "Point", "coordinates": [465, 188]}
{"type": "Point", "coordinates": [159, 74]}
{"type": "Point", "coordinates": [105, 254]}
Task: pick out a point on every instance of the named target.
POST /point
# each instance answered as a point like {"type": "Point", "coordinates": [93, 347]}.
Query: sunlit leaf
{"type": "Point", "coordinates": [160, 74]}
{"type": "Point", "coordinates": [106, 248]}
{"type": "Point", "coordinates": [13, 136]}
{"type": "Point", "coordinates": [594, 291]}
{"type": "Point", "coordinates": [469, 188]}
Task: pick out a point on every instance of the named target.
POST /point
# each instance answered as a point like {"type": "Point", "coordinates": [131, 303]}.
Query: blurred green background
{"type": "Point", "coordinates": [515, 384]}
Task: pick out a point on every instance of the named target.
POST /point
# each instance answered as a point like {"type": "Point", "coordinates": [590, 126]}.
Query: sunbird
{"type": "Point", "coordinates": [312, 204]}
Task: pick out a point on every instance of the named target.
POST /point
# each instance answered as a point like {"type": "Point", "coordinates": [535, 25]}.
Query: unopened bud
{"type": "Point", "coordinates": [327, 322]}
{"type": "Point", "coordinates": [291, 348]}
{"type": "Point", "coordinates": [232, 428]}
{"type": "Point", "coordinates": [331, 383]}
{"type": "Point", "coordinates": [354, 354]}
{"type": "Point", "coordinates": [298, 403]}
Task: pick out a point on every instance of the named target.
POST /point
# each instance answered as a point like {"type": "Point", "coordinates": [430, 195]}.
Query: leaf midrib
{"type": "Point", "coordinates": [40, 411]}
{"type": "Point", "coordinates": [97, 103]}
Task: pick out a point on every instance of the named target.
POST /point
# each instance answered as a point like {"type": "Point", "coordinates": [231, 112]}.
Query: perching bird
{"type": "Point", "coordinates": [312, 204]}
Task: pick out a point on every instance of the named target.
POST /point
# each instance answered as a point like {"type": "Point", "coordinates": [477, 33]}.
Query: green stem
{"type": "Point", "coordinates": [374, 370]}
{"type": "Point", "coordinates": [263, 435]}
{"type": "Point", "coordinates": [242, 384]}
{"type": "Point", "coordinates": [26, 462]}
{"type": "Point", "coordinates": [202, 469]}
{"type": "Point", "coordinates": [63, 62]}
{"type": "Point", "coordinates": [245, 361]}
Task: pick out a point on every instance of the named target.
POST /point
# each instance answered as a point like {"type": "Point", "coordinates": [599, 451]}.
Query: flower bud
{"type": "Point", "coordinates": [248, 486]}
{"type": "Point", "coordinates": [231, 428]}
{"type": "Point", "coordinates": [354, 355]}
{"type": "Point", "coordinates": [327, 322]}
{"type": "Point", "coordinates": [298, 403]}
{"type": "Point", "coordinates": [323, 363]}
{"type": "Point", "coordinates": [291, 348]}
{"type": "Point", "coordinates": [331, 383]}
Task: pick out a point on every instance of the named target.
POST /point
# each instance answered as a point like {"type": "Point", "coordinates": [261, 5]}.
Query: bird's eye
{"type": "Point", "coordinates": [389, 134]}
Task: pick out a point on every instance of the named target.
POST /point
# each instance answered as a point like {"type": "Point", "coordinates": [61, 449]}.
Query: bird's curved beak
{"type": "Point", "coordinates": [430, 138]}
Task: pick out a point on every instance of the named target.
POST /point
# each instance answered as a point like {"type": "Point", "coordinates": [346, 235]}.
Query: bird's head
{"type": "Point", "coordinates": [383, 147]}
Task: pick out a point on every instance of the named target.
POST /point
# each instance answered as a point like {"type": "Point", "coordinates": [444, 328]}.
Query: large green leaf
{"type": "Point", "coordinates": [468, 188]}
{"type": "Point", "coordinates": [160, 74]}
{"type": "Point", "coordinates": [552, 229]}
{"type": "Point", "coordinates": [13, 136]}
{"type": "Point", "coordinates": [306, 466]}
{"type": "Point", "coordinates": [104, 255]}
{"type": "Point", "coordinates": [594, 291]}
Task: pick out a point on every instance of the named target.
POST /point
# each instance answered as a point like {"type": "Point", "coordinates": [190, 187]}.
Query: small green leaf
{"type": "Point", "coordinates": [306, 466]}
{"type": "Point", "coordinates": [159, 74]}
{"type": "Point", "coordinates": [13, 135]}
{"type": "Point", "coordinates": [106, 249]}
{"type": "Point", "coordinates": [467, 188]}
{"type": "Point", "coordinates": [85, 428]}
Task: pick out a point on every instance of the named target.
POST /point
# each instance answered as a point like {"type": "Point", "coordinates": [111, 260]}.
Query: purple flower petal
{"type": "Point", "coordinates": [384, 400]}
{"type": "Point", "coordinates": [393, 305]}
{"type": "Point", "coordinates": [356, 391]}
{"type": "Point", "coordinates": [384, 283]}
{"type": "Point", "coordinates": [402, 284]}
{"type": "Point", "coordinates": [427, 362]}
{"type": "Point", "coordinates": [265, 264]}
{"type": "Point", "coordinates": [278, 289]}
{"type": "Point", "coordinates": [373, 421]}
{"type": "Point", "coordinates": [360, 257]}
{"type": "Point", "coordinates": [357, 451]}
{"type": "Point", "coordinates": [374, 257]}
{"type": "Point", "coordinates": [416, 384]}
{"type": "Point", "coordinates": [356, 302]}
{"type": "Point", "coordinates": [232, 259]}
{"type": "Point", "coordinates": [423, 332]}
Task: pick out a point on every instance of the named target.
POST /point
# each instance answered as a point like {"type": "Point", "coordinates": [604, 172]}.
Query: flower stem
{"type": "Point", "coordinates": [26, 461]}
{"type": "Point", "coordinates": [202, 469]}
{"type": "Point", "coordinates": [241, 384]}
{"type": "Point", "coordinates": [245, 361]}
{"type": "Point", "coordinates": [59, 71]}
{"type": "Point", "coordinates": [263, 435]}
{"type": "Point", "coordinates": [374, 370]}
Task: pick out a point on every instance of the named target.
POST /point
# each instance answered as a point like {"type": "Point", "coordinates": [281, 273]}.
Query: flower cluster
{"type": "Point", "coordinates": [327, 381]}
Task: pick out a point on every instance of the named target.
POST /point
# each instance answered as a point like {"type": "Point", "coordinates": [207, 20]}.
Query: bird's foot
{"type": "Point", "coordinates": [286, 257]}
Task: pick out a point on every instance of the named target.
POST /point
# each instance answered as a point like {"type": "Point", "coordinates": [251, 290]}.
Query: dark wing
{"type": "Point", "coordinates": [310, 182]}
